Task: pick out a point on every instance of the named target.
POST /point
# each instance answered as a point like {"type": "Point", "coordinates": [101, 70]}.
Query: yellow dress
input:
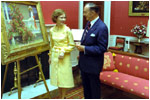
{"type": "Point", "coordinates": [61, 69]}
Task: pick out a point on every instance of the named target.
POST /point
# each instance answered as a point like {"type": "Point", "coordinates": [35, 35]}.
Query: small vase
{"type": "Point", "coordinates": [139, 39]}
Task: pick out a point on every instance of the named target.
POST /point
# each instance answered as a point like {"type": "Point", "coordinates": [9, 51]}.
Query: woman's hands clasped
{"type": "Point", "coordinates": [61, 56]}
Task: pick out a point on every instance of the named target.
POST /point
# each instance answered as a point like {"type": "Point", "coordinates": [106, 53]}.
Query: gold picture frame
{"type": "Point", "coordinates": [138, 8]}
{"type": "Point", "coordinates": [23, 31]}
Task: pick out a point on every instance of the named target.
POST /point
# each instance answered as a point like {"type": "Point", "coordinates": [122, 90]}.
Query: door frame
{"type": "Point", "coordinates": [107, 14]}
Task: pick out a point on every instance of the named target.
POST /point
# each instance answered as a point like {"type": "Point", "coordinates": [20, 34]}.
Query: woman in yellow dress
{"type": "Point", "coordinates": [61, 44]}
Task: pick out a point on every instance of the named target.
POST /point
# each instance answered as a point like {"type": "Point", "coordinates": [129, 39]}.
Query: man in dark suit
{"type": "Point", "coordinates": [91, 57]}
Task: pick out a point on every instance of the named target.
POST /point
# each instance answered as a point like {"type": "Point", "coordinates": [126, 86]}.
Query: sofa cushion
{"type": "Point", "coordinates": [125, 82]}
{"type": "Point", "coordinates": [108, 61]}
{"type": "Point", "coordinates": [131, 65]}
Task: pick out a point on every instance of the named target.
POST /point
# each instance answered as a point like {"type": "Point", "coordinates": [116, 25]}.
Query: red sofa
{"type": "Point", "coordinates": [127, 73]}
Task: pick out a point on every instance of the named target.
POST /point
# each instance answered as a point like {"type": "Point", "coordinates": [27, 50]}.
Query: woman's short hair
{"type": "Point", "coordinates": [56, 14]}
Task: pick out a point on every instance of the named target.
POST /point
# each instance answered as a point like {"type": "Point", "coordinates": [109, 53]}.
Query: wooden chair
{"type": "Point", "coordinates": [120, 44]}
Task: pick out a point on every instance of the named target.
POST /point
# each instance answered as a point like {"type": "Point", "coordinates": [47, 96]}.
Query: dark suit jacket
{"type": "Point", "coordinates": [96, 42]}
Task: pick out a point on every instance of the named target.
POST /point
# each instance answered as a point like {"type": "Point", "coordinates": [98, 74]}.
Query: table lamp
{"type": "Point", "coordinates": [147, 33]}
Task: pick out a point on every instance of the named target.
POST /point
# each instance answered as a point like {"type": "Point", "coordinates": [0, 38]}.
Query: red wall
{"type": "Point", "coordinates": [121, 23]}
{"type": "Point", "coordinates": [70, 7]}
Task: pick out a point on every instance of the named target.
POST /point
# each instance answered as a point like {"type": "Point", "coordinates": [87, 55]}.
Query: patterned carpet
{"type": "Point", "coordinates": [107, 92]}
{"type": "Point", "coordinates": [75, 93]}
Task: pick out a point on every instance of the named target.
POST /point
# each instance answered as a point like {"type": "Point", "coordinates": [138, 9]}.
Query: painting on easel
{"type": "Point", "coordinates": [23, 31]}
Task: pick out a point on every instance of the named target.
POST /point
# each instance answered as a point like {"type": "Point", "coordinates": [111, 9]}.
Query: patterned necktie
{"type": "Point", "coordinates": [86, 31]}
{"type": "Point", "coordinates": [89, 25]}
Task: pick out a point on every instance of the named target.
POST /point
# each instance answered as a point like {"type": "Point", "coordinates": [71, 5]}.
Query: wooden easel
{"type": "Point", "coordinates": [20, 73]}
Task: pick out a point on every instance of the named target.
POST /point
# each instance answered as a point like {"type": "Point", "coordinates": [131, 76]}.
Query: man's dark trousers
{"type": "Point", "coordinates": [91, 84]}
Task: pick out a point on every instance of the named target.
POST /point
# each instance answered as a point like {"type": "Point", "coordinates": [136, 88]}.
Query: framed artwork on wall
{"type": "Point", "coordinates": [23, 31]}
{"type": "Point", "coordinates": [138, 8]}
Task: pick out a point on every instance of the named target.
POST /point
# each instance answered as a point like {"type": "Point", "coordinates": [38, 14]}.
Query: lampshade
{"type": "Point", "coordinates": [147, 34]}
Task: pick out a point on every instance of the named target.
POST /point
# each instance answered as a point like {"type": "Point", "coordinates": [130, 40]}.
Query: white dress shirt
{"type": "Point", "coordinates": [93, 21]}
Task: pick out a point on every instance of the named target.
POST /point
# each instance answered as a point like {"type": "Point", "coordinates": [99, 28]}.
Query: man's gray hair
{"type": "Point", "coordinates": [93, 7]}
